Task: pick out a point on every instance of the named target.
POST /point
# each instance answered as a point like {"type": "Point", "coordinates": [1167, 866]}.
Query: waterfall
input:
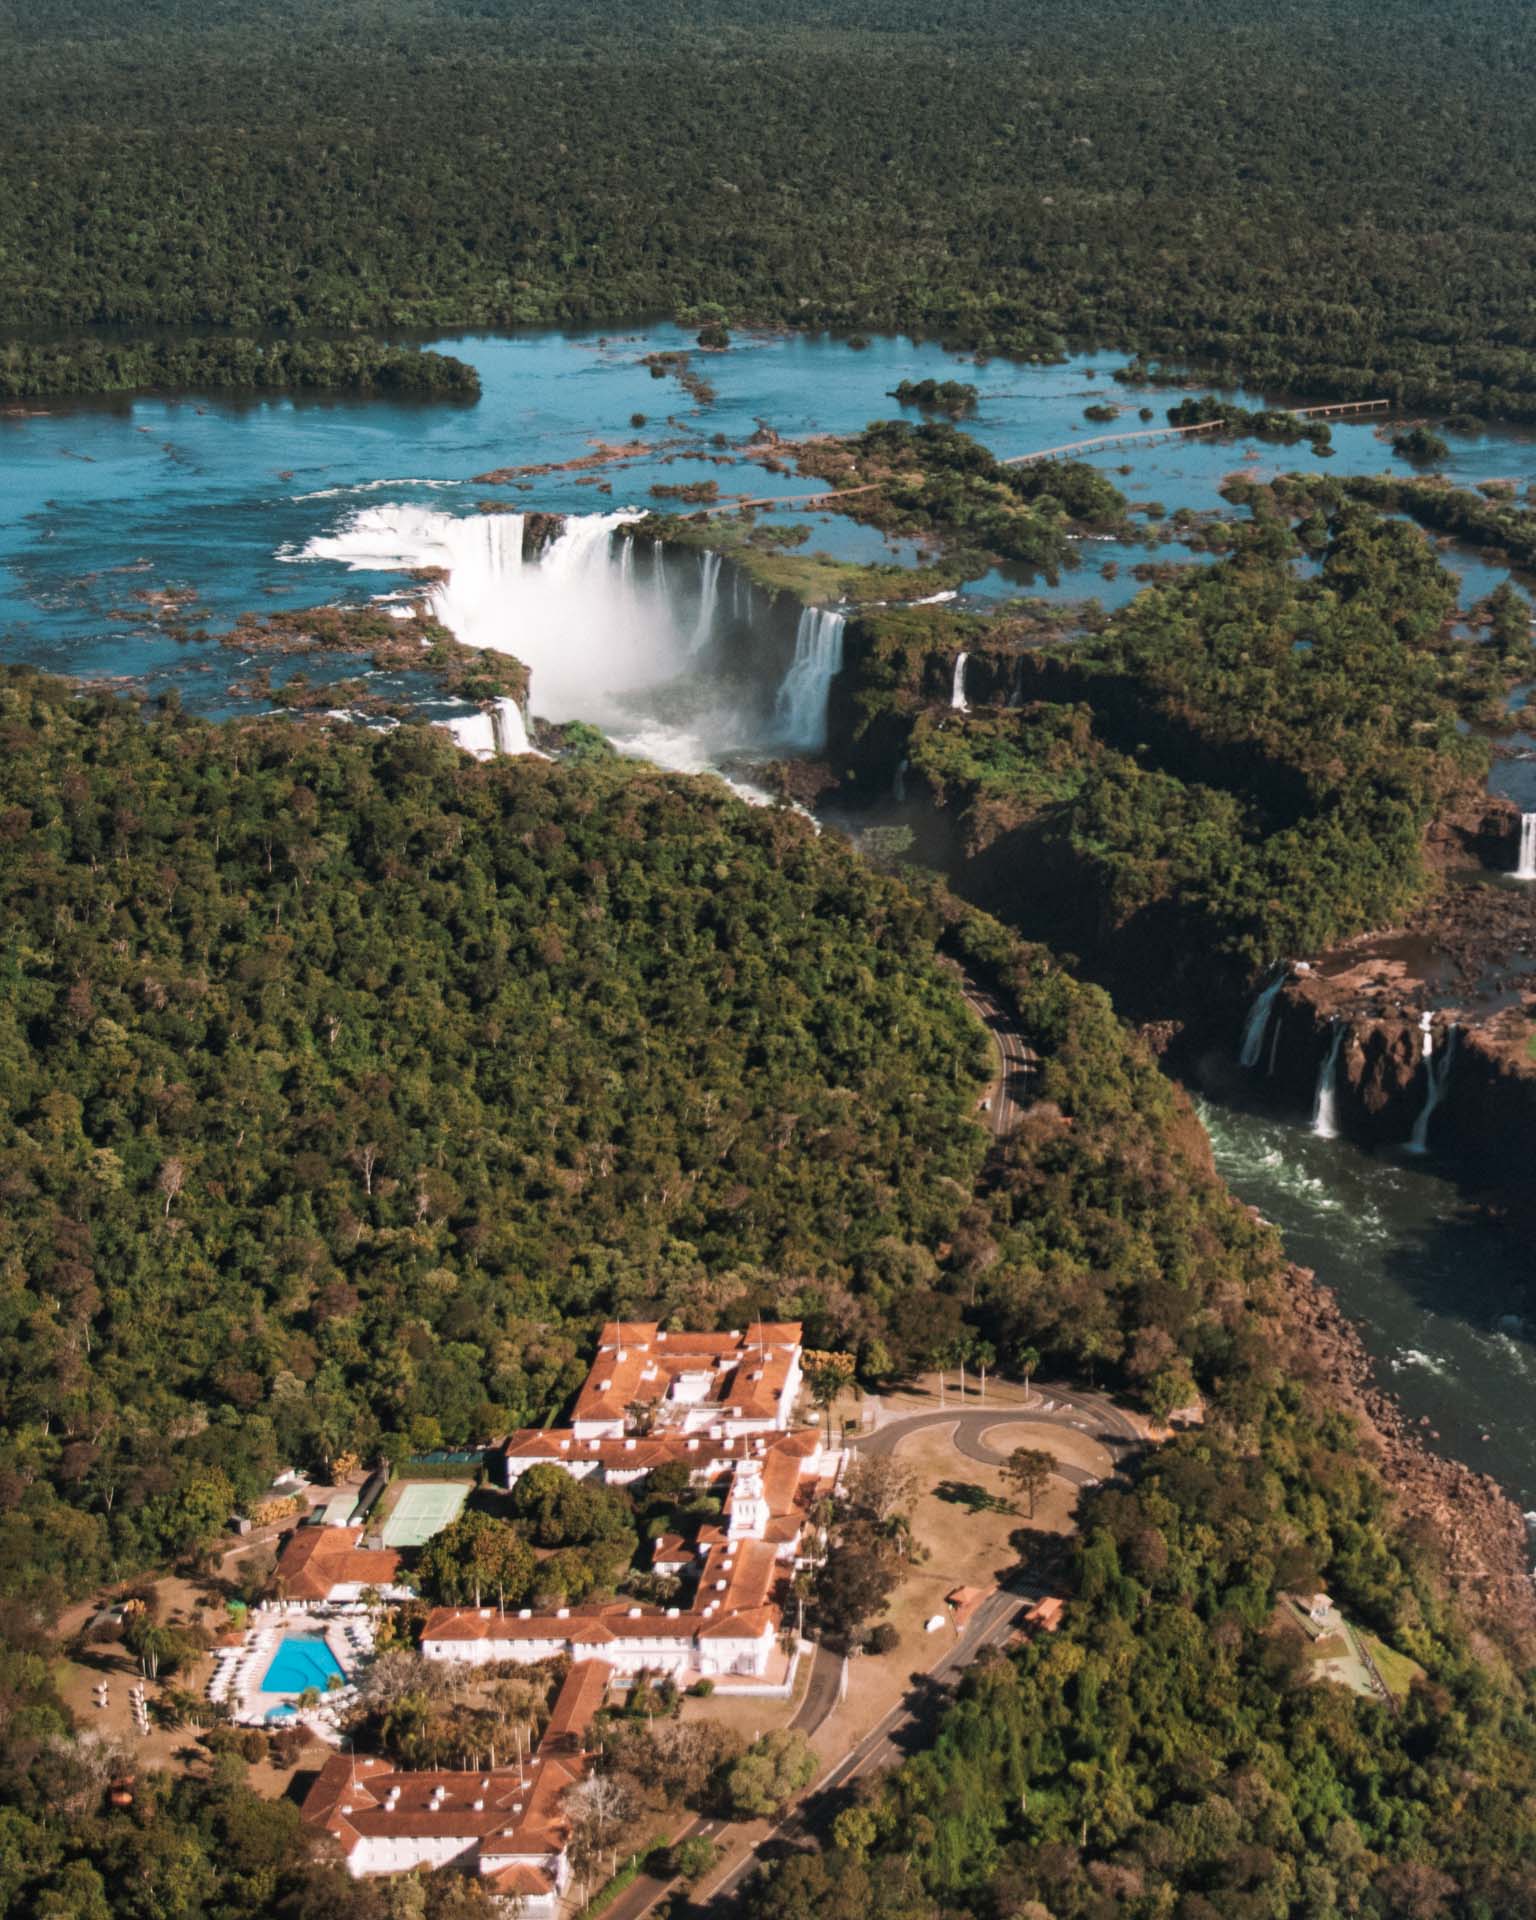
{"type": "Point", "coordinates": [800, 710]}
{"type": "Point", "coordinates": [1325, 1123]}
{"type": "Point", "coordinates": [1274, 1050]}
{"type": "Point", "coordinates": [474, 732]}
{"type": "Point", "coordinates": [899, 784]}
{"type": "Point", "coordinates": [658, 573]}
{"type": "Point", "coordinates": [957, 691]}
{"type": "Point", "coordinates": [1016, 691]}
{"type": "Point", "coordinates": [496, 729]}
{"type": "Point", "coordinates": [1437, 1071]}
{"type": "Point", "coordinates": [1252, 1047]}
{"type": "Point", "coordinates": [508, 728]}
{"type": "Point", "coordinates": [1527, 867]}
{"type": "Point", "coordinates": [571, 615]}
{"type": "Point", "coordinates": [709, 592]}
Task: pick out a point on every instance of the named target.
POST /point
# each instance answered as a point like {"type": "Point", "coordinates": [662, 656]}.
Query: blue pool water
{"type": "Point", "coordinates": [301, 1661]}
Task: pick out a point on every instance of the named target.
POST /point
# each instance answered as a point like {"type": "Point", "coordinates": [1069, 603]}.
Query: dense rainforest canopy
{"type": "Point", "coordinates": [1239, 766]}
{"type": "Point", "coordinates": [1321, 194]}
{"type": "Point", "coordinates": [346, 1083]}
{"type": "Point", "coordinates": [349, 1081]}
{"type": "Point", "coordinates": [349, 1084]}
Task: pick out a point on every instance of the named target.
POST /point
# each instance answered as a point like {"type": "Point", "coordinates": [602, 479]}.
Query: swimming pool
{"type": "Point", "coordinates": [301, 1661]}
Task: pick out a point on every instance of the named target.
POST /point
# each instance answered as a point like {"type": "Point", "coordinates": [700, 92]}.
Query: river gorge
{"type": "Point", "coordinates": [130, 527]}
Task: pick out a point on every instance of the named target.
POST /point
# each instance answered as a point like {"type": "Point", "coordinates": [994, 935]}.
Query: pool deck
{"type": "Point", "coordinates": [240, 1673]}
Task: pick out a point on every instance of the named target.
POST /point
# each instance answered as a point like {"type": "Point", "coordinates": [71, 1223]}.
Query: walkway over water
{"type": "Point", "coordinates": [1146, 436]}
{"type": "Point", "coordinates": [1139, 436]}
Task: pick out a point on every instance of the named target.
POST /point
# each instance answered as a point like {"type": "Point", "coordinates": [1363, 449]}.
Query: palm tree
{"type": "Point", "coordinates": [826, 1374]}
{"type": "Point", "coordinates": [984, 1355]}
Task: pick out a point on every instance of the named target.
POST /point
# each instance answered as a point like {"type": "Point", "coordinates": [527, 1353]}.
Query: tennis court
{"type": "Point", "coordinates": [425, 1507]}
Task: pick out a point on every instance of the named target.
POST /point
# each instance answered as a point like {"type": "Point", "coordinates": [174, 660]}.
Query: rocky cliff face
{"type": "Point", "coordinates": [1467, 960]}
{"type": "Point", "coordinates": [1468, 963]}
{"type": "Point", "coordinates": [1477, 1530]}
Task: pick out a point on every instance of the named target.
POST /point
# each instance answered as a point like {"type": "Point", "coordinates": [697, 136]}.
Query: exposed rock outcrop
{"type": "Point", "coordinates": [1476, 1529]}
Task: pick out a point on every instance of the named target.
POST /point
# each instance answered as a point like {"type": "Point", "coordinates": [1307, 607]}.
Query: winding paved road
{"type": "Point", "coordinates": [1006, 1098]}
{"type": "Point", "coordinates": [1090, 1414]}
{"type": "Point", "coordinates": [1096, 1418]}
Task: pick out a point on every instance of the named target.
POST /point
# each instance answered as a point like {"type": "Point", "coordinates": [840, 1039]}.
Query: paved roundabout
{"type": "Point", "coordinates": [979, 1433]}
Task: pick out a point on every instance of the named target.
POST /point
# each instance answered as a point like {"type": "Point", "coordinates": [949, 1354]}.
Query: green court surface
{"type": "Point", "coordinates": [424, 1508]}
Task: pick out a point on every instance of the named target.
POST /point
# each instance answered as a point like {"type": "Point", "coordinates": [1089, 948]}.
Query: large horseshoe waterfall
{"type": "Point", "coordinates": [612, 629]}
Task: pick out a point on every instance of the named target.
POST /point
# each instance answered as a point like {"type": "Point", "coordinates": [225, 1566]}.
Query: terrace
{"type": "Point", "coordinates": [288, 1669]}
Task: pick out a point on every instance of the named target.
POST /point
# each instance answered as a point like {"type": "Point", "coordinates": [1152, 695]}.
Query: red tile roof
{"type": "Point", "coordinates": [581, 1694]}
{"type": "Point", "coordinates": [519, 1878]}
{"type": "Point", "coordinates": [636, 1362]}
{"type": "Point", "coordinates": [499, 1811]}
{"type": "Point", "coordinates": [750, 1572]}
{"type": "Point", "coordinates": [316, 1559]}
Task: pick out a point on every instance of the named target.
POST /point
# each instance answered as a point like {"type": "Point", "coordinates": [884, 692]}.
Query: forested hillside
{"type": "Point", "coordinates": [348, 1084]}
{"type": "Point", "coordinates": [349, 1081]}
{"type": "Point", "coordinates": [1320, 194]}
{"type": "Point", "coordinates": [1240, 765]}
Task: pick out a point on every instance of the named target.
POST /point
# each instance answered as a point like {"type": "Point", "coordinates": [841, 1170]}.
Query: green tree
{"type": "Point", "coordinates": [827, 1375]}
{"type": "Point", "coordinates": [770, 1773]}
{"type": "Point", "coordinates": [851, 1587]}
{"type": "Point", "coordinates": [1028, 1471]}
{"type": "Point", "coordinates": [477, 1560]}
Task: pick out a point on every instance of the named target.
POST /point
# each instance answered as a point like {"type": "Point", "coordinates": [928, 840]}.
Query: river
{"type": "Point", "coordinates": [286, 502]}
{"type": "Point", "coordinates": [1428, 1281]}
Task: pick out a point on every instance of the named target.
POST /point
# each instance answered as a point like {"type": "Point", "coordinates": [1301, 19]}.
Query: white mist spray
{"type": "Point", "coordinates": [572, 616]}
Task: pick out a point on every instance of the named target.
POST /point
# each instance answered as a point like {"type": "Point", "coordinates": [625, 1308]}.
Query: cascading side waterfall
{"type": "Point", "coordinates": [474, 732]}
{"type": "Point", "coordinates": [509, 730]}
{"type": "Point", "coordinates": [1325, 1121]}
{"type": "Point", "coordinates": [800, 710]}
{"type": "Point", "coordinates": [1274, 1048]}
{"type": "Point", "coordinates": [1016, 691]}
{"type": "Point", "coordinates": [957, 690]}
{"type": "Point", "coordinates": [1251, 1047]}
{"type": "Point", "coordinates": [1526, 870]}
{"type": "Point", "coordinates": [709, 593]}
{"type": "Point", "coordinates": [899, 784]}
{"type": "Point", "coordinates": [1437, 1071]}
